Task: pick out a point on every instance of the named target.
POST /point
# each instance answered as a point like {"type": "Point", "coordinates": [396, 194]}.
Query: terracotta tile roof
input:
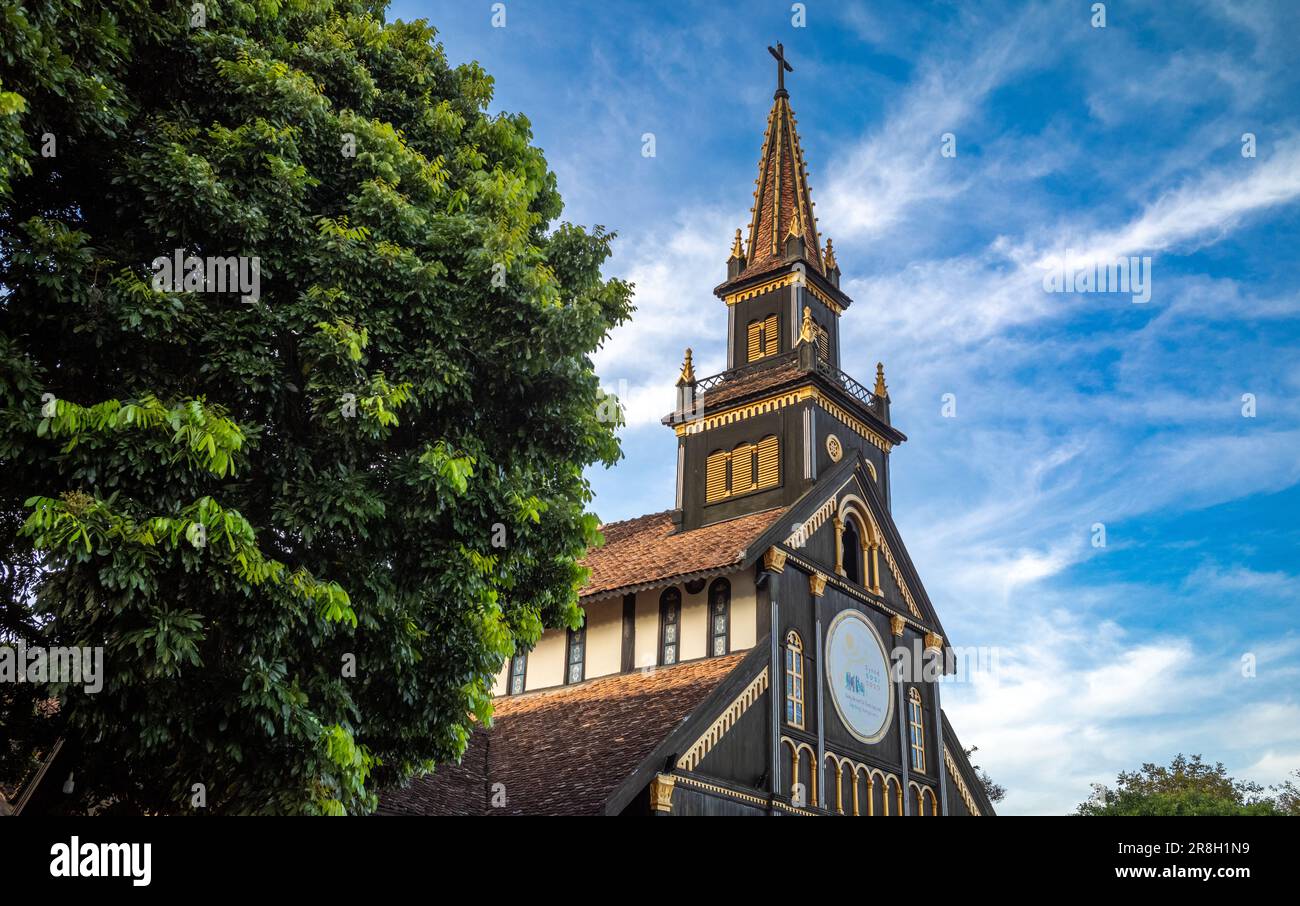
{"type": "Point", "coordinates": [645, 550]}
{"type": "Point", "coordinates": [564, 751]}
{"type": "Point", "coordinates": [782, 196]}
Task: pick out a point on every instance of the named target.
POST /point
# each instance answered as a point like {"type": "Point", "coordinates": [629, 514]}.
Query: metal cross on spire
{"type": "Point", "coordinates": [782, 67]}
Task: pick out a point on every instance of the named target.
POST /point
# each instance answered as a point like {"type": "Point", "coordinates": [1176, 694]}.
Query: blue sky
{"type": "Point", "coordinates": [1072, 409]}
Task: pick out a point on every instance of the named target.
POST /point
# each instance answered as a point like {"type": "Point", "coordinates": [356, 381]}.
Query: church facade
{"type": "Point", "coordinates": [738, 652]}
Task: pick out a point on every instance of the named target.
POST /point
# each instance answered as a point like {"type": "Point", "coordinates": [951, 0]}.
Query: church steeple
{"type": "Point", "coordinates": [783, 413]}
{"type": "Point", "coordinates": [783, 206]}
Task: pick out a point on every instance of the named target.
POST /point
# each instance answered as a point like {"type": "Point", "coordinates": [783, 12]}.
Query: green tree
{"type": "Point", "coordinates": [1188, 786]}
{"type": "Point", "coordinates": [282, 519]}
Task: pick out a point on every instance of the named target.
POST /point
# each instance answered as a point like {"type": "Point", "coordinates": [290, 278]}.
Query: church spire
{"type": "Point", "coordinates": [783, 206]}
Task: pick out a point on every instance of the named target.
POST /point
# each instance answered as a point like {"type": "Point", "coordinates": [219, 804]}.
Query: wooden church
{"type": "Point", "coordinates": [738, 650]}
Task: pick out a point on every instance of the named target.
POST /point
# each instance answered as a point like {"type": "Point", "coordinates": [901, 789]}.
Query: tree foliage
{"type": "Point", "coordinates": [237, 500]}
{"type": "Point", "coordinates": [1189, 786]}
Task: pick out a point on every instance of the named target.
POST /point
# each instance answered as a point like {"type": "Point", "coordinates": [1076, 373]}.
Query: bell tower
{"type": "Point", "coordinates": [760, 434]}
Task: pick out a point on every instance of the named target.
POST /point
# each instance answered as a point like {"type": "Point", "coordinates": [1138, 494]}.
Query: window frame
{"type": "Point", "coordinates": [711, 636]}
{"type": "Point", "coordinates": [916, 728]}
{"type": "Point", "coordinates": [522, 659]}
{"type": "Point", "coordinates": [670, 598]}
{"type": "Point", "coordinates": [795, 704]}
{"type": "Point", "coordinates": [576, 638]}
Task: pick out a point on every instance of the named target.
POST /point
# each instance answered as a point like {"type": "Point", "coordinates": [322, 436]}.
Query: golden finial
{"type": "Point", "coordinates": [688, 370]}
{"type": "Point", "coordinates": [830, 256]}
{"type": "Point", "coordinates": [808, 332]}
{"type": "Point", "coordinates": [737, 250]}
{"type": "Point", "coordinates": [881, 390]}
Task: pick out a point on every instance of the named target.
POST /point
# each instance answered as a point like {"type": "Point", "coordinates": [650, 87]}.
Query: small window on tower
{"type": "Point", "coordinates": [823, 344]}
{"type": "Point", "coordinates": [670, 626]}
{"type": "Point", "coordinates": [770, 336]}
{"type": "Point", "coordinates": [755, 341]}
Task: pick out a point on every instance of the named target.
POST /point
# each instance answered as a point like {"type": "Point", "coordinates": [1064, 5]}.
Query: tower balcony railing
{"type": "Point", "coordinates": [826, 369]}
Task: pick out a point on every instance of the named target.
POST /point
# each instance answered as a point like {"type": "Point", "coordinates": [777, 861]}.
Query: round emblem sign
{"type": "Point", "coordinates": [857, 670]}
{"type": "Point", "coordinates": [833, 447]}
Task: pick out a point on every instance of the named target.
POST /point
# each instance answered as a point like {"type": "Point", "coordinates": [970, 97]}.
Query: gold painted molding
{"type": "Point", "coordinates": [765, 287]}
{"type": "Point", "coordinates": [933, 640]}
{"type": "Point", "coordinates": [817, 585]}
{"type": "Point", "coordinates": [780, 401]}
{"type": "Point", "coordinates": [896, 625]}
{"type": "Point", "coordinates": [774, 560]}
{"type": "Point", "coordinates": [661, 793]}
{"type": "Point", "coordinates": [961, 784]}
{"type": "Point", "coordinates": [725, 721]}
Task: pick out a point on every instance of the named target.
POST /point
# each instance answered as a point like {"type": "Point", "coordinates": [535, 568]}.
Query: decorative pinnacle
{"type": "Point", "coordinates": [737, 250]}
{"type": "Point", "coordinates": [881, 390]}
{"type": "Point", "coordinates": [830, 256]}
{"type": "Point", "coordinates": [807, 332]}
{"type": "Point", "coordinates": [688, 370]}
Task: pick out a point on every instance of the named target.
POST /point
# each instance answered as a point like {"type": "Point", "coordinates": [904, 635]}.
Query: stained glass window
{"type": "Point", "coordinates": [719, 617]}
{"type": "Point", "coordinates": [670, 626]}
{"type": "Point", "coordinates": [574, 671]}
{"type": "Point", "coordinates": [518, 670]}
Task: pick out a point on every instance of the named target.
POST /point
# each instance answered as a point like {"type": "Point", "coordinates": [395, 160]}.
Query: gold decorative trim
{"type": "Point", "coordinates": [825, 299]}
{"type": "Point", "coordinates": [661, 793]}
{"type": "Point", "coordinates": [966, 797]}
{"type": "Point", "coordinates": [896, 625]}
{"type": "Point", "coordinates": [725, 721]}
{"type": "Point", "coordinates": [817, 585]}
{"type": "Point", "coordinates": [898, 578]}
{"type": "Point", "coordinates": [774, 560]}
{"type": "Point", "coordinates": [856, 769]}
{"type": "Point", "coordinates": [799, 537]}
{"type": "Point", "coordinates": [760, 289]}
{"type": "Point", "coordinates": [933, 640]}
{"type": "Point", "coordinates": [688, 370]}
{"type": "Point", "coordinates": [774, 403]}
{"type": "Point", "coordinates": [743, 797]}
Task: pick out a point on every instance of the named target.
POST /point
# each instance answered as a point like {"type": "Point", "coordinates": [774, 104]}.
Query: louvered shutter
{"type": "Point", "coordinates": [715, 477]}
{"type": "Point", "coordinates": [742, 469]}
{"type": "Point", "coordinates": [769, 462]}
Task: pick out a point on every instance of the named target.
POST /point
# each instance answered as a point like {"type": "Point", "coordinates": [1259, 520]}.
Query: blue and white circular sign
{"type": "Point", "coordinates": [857, 671]}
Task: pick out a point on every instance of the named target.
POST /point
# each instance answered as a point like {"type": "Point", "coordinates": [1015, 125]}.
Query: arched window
{"type": "Point", "coordinates": [719, 617]}
{"type": "Point", "coordinates": [518, 670]}
{"type": "Point", "coordinates": [851, 551]}
{"type": "Point", "coordinates": [576, 661]}
{"type": "Point", "coordinates": [916, 727]}
{"type": "Point", "coordinates": [823, 344]}
{"type": "Point", "coordinates": [794, 680]}
{"type": "Point", "coordinates": [670, 626]}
